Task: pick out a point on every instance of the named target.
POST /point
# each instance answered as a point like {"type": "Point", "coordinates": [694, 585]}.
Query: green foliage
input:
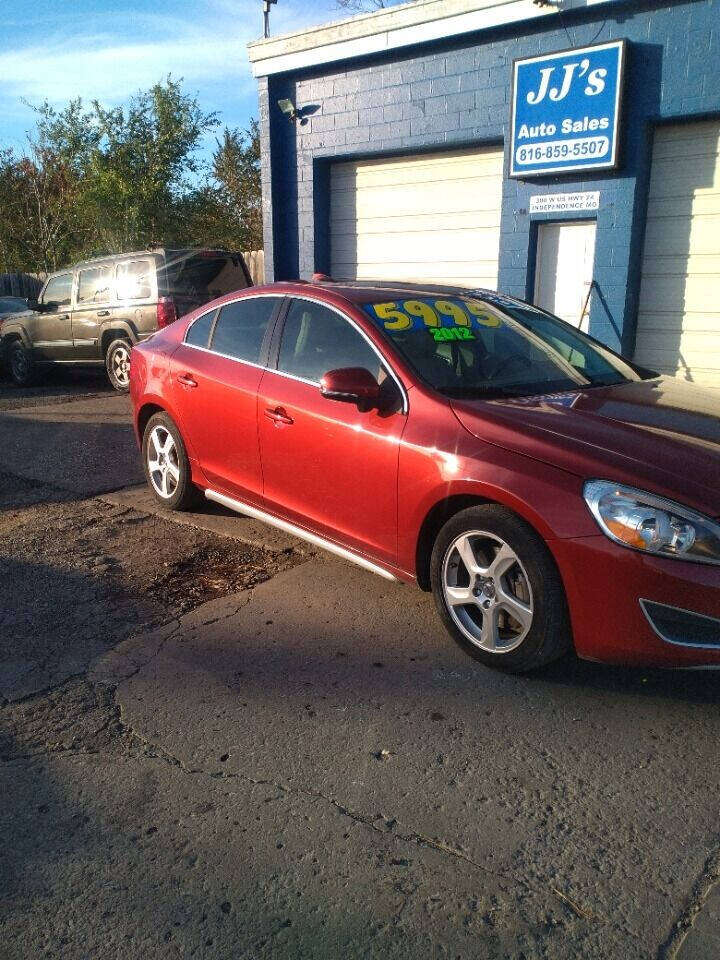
{"type": "Point", "coordinates": [95, 180]}
{"type": "Point", "coordinates": [227, 211]}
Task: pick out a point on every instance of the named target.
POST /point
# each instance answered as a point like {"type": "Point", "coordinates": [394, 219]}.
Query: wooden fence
{"type": "Point", "coordinates": [255, 260]}
{"type": "Point", "coordinates": [20, 284]}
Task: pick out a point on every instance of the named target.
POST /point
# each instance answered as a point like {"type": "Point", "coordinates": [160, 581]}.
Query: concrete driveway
{"type": "Point", "coordinates": [306, 766]}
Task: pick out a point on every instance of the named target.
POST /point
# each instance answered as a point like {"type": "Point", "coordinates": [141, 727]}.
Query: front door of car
{"type": "Point", "coordinates": [216, 373]}
{"type": "Point", "coordinates": [50, 328]}
{"type": "Point", "coordinates": [92, 309]}
{"type": "Point", "coordinates": [327, 465]}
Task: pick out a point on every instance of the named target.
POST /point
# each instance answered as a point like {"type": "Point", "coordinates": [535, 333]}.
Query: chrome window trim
{"type": "Point", "coordinates": [225, 356]}
{"type": "Point", "coordinates": [291, 376]}
{"type": "Point", "coordinates": [692, 613]}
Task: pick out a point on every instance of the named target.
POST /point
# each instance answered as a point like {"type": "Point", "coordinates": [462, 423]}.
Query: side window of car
{"type": "Point", "coordinates": [57, 292]}
{"type": "Point", "coordinates": [241, 326]}
{"type": "Point", "coordinates": [198, 332]}
{"type": "Point", "coordinates": [94, 286]}
{"type": "Point", "coordinates": [316, 339]}
{"type": "Point", "coordinates": [133, 280]}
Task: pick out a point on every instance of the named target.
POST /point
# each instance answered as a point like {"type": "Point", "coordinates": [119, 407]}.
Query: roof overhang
{"type": "Point", "coordinates": [393, 28]}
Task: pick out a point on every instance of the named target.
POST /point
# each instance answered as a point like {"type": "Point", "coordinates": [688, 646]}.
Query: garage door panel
{"type": "Point", "coordinates": [433, 222]}
{"type": "Point", "coordinates": [682, 235]}
{"type": "Point", "coordinates": [676, 294]}
{"type": "Point", "coordinates": [426, 217]}
{"type": "Point", "coordinates": [470, 274]}
{"type": "Point", "coordinates": [670, 321]}
{"type": "Point", "coordinates": [678, 327]}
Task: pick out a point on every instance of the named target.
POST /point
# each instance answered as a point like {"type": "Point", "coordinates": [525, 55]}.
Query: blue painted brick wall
{"type": "Point", "coordinates": [457, 94]}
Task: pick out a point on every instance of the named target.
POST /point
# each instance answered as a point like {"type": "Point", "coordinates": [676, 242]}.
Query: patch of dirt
{"type": "Point", "coordinates": [78, 577]}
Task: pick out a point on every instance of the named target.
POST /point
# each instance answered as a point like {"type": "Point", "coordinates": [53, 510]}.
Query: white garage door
{"type": "Point", "coordinates": [679, 314]}
{"type": "Point", "coordinates": [432, 217]}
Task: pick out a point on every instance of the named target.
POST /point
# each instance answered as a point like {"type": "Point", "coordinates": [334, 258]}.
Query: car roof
{"type": "Point", "coordinates": [147, 252]}
{"type": "Point", "coordinates": [376, 291]}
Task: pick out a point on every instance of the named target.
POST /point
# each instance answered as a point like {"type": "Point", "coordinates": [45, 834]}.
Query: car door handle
{"type": "Point", "coordinates": [186, 380]}
{"type": "Point", "coordinates": [103, 313]}
{"type": "Point", "coordinates": [278, 415]}
{"type": "Point", "coordinates": [63, 316]}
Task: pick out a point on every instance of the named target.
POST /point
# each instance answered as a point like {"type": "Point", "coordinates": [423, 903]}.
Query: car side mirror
{"type": "Point", "coordinates": [350, 385]}
{"type": "Point", "coordinates": [33, 304]}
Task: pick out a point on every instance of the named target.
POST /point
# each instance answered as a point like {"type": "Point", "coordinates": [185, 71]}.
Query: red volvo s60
{"type": "Point", "coordinates": [549, 492]}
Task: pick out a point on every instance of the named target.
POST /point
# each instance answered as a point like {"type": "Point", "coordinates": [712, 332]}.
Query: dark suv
{"type": "Point", "coordinates": [93, 313]}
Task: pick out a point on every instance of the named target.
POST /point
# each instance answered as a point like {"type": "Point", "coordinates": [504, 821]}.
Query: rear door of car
{"type": "Point", "coordinates": [215, 375]}
{"type": "Point", "coordinates": [94, 300]}
{"type": "Point", "coordinates": [50, 329]}
{"type": "Point", "coordinates": [136, 291]}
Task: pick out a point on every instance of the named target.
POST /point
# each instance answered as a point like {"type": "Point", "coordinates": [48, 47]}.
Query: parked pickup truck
{"type": "Point", "coordinates": [93, 313]}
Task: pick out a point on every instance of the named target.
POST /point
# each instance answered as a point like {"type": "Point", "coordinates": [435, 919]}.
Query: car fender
{"type": "Point", "coordinates": [150, 381]}
{"type": "Point", "coordinates": [116, 326]}
{"type": "Point", "coordinates": [15, 328]}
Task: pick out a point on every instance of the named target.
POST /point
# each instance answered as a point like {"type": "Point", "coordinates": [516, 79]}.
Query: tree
{"type": "Point", "coordinates": [94, 180]}
{"type": "Point", "coordinates": [227, 211]}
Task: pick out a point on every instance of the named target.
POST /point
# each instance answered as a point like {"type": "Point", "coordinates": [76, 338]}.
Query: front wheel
{"type": "Point", "coordinates": [21, 365]}
{"type": "Point", "coordinates": [167, 469]}
{"type": "Point", "coordinates": [117, 364]}
{"type": "Point", "coordinates": [498, 591]}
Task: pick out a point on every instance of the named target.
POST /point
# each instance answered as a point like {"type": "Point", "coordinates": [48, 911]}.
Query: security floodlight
{"type": "Point", "coordinates": [288, 108]}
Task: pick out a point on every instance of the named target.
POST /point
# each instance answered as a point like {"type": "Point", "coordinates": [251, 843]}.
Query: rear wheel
{"type": "Point", "coordinates": [117, 364]}
{"type": "Point", "coordinates": [21, 365]}
{"type": "Point", "coordinates": [167, 469]}
{"type": "Point", "coordinates": [498, 591]}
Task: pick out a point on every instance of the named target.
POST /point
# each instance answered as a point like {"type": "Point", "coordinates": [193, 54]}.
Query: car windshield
{"type": "Point", "coordinates": [493, 346]}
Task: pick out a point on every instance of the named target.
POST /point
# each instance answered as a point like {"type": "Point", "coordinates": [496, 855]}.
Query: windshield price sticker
{"type": "Point", "coordinates": [451, 319]}
{"type": "Point", "coordinates": [566, 109]}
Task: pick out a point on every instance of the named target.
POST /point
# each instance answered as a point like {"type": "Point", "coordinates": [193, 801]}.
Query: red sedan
{"type": "Point", "coordinates": [549, 492]}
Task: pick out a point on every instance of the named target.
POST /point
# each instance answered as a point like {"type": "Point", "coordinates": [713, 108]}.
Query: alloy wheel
{"type": "Point", "coordinates": [120, 363]}
{"type": "Point", "coordinates": [487, 591]}
{"type": "Point", "coordinates": [163, 463]}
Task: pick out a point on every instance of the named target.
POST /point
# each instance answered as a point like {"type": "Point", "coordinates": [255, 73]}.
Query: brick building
{"type": "Point", "coordinates": [410, 157]}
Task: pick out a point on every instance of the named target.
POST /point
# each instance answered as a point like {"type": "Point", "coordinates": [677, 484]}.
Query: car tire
{"type": "Point", "coordinates": [21, 366]}
{"type": "Point", "coordinates": [167, 469]}
{"type": "Point", "coordinates": [117, 364]}
{"type": "Point", "coordinates": [498, 591]}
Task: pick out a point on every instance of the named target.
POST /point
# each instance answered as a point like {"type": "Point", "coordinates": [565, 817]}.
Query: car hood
{"type": "Point", "coordinates": [661, 434]}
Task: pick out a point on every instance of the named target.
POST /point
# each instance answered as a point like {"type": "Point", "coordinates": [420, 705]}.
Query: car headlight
{"type": "Point", "coordinates": [651, 524]}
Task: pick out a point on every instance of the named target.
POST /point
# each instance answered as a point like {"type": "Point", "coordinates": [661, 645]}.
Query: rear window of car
{"type": "Point", "coordinates": [133, 280]}
{"type": "Point", "coordinates": [198, 332]}
{"type": "Point", "coordinates": [240, 328]}
{"type": "Point", "coordinates": [201, 277]}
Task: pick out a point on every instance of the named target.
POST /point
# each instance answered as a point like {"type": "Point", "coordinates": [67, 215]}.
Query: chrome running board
{"type": "Point", "coordinates": [313, 538]}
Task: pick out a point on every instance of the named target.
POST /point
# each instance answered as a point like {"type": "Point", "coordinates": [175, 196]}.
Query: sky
{"type": "Point", "coordinates": [57, 50]}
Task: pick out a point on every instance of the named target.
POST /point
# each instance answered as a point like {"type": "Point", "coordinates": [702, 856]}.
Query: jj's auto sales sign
{"type": "Point", "coordinates": [566, 110]}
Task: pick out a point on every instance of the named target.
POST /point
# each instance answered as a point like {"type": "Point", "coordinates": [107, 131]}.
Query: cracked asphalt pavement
{"type": "Point", "coordinates": [215, 742]}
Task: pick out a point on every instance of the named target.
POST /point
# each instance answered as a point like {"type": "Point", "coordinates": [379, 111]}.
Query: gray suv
{"type": "Point", "coordinates": [93, 313]}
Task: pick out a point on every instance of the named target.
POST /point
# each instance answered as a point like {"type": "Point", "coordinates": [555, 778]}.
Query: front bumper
{"type": "Point", "coordinates": [605, 584]}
